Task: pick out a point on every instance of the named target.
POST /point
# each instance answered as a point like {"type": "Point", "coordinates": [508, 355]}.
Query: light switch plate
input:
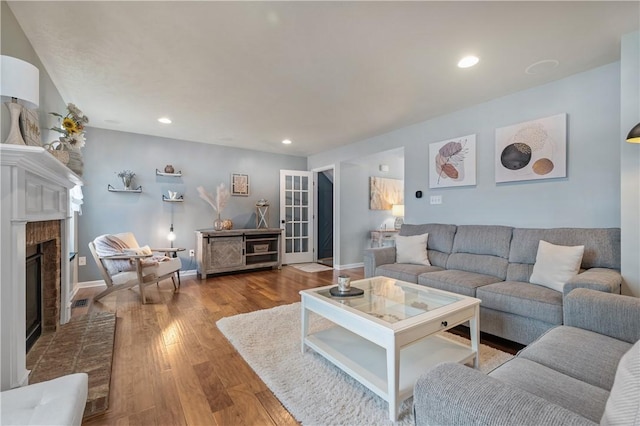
{"type": "Point", "coordinates": [436, 199]}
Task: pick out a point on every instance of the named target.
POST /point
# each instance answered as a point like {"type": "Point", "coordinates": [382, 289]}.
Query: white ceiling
{"type": "Point", "coordinates": [324, 74]}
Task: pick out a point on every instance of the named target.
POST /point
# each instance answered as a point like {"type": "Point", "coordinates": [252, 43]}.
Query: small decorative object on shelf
{"type": "Point", "coordinates": [127, 178]}
{"type": "Point", "coordinates": [262, 213]}
{"type": "Point", "coordinates": [227, 224]}
{"type": "Point", "coordinates": [112, 189]}
{"type": "Point", "coordinates": [169, 169]}
{"type": "Point", "coordinates": [172, 174]}
{"type": "Point", "coordinates": [176, 199]}
{"type": "Point", "coordinates": [59, 152]}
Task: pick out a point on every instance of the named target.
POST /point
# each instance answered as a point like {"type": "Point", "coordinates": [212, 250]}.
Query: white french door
{"type": "Point", "coordinates": [296, 215]}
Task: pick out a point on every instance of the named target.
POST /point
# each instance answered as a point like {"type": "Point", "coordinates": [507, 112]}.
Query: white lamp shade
{"type": "Point", "coordinates": [397, 210]}
{"type": "Point", "coordinates": [21, 80]}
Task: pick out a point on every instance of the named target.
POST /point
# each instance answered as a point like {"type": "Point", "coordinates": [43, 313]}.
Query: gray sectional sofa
{"type": "Point", "coordinates": [565, 377]}
{"type": "Point", "coordinates": [494, 264]}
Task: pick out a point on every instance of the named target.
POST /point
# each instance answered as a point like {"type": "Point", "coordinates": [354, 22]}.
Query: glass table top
{"type": "Point", "coordinates": [392, 300]}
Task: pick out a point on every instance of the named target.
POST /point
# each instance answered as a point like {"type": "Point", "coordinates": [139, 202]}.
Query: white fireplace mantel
{"type": "Point", "coordinates": [35, 187]}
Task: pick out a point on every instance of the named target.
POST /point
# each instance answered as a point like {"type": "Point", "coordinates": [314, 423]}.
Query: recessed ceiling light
{"type": "Point", "coordinates": [287, 141]}
{"type": "Point", "coordinates": [164, 120]}
{"type": "Point", "coordinates": [468, 61]}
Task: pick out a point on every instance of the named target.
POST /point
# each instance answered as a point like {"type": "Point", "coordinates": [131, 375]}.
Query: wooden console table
{"type": "Point", "coordinates": [237, 250]}
{"type": "Point", "coordinates": [379, 236]}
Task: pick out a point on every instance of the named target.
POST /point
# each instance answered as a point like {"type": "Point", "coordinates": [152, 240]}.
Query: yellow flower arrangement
{"type": "Point", "coordinates": [72, 127]}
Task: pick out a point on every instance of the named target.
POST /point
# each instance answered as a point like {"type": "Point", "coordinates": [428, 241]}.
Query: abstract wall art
{"type": "Point", "coordinates": [453, 162]}
{"type": "Point", "coordinates": [532, 150]}
{"type": "Point", "coordinates": [384, 193]}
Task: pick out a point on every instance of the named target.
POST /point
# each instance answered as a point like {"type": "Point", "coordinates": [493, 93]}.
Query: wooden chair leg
{"type": "Point", "coordinates": [173, 280]}
{"type": "Point", "coordinates": [144, 299]}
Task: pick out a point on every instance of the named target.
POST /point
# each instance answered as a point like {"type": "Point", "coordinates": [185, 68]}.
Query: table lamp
{"type": "Point", "coordinates": [397, 211]}
{"type": "Point", "coordinates": [19, 80]}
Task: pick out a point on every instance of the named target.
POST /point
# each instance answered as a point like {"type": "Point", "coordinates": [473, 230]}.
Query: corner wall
{"type": "Point", "coordinates": [13, 42]}
{"type": "Point", "coordinates": [588, 197]}
{"type": "Point", "coordinates": [108, 152]}
{"type": "Point", "coordinates": [630, 163]}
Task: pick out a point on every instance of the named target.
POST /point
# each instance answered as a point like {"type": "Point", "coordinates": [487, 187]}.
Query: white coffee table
{"type": "Point", "coordinates": [390, 335]}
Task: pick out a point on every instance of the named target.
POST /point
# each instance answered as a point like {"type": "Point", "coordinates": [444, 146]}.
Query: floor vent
{"type": "Point", "coordinates": [80, 303]}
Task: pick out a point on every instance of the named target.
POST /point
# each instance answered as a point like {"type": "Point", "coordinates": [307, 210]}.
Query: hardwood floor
{"type": "Point", "coordinates": [172, 366]}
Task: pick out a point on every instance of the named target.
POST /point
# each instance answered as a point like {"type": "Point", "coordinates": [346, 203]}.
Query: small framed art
{"type": "Point", "coordinates": [239, 184]}
{"type": "Point", "coordinates": [30, 127]}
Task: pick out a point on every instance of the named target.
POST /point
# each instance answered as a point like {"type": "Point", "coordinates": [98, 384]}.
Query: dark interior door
{"type": "Point", "coordinates": [325, 215]}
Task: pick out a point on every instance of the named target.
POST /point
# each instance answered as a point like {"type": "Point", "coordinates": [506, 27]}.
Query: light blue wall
{"type": "Point", "coordinates": [630, 163]}
{"type": "Point", "coordinates": [589, 196]}
{"type": "Point", "coordinates": [108, 152]}
{"type": "Point", "coordinates": [15, 43]}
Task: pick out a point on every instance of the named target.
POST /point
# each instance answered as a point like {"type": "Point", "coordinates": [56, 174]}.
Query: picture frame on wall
{"type": "Point", "coordinates": [30, 127]}
{"type": "Point", "coordinates": [385, 192]}
{"type": "Point", "coordinates": [240, 184]}
{"type": "Point", "coordinates": [453, 162]}
{"type": "Point", "coordinates": [532, 150]}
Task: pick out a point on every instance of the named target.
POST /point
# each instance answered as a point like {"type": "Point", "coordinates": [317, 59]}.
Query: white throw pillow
{"type": "Point", "coordinates": [412, 249]}
{"type": "Point", "coordinates": [555, 265]}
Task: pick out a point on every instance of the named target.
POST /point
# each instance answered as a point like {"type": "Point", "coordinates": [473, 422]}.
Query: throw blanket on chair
{"type": "Point", "coordinates": [109, 245]}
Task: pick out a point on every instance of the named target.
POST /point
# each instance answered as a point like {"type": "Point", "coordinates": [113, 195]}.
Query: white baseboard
{"type": "Point", "coordinates": [89, 284]}
{"type": "Point", "coordinates": [348, 266]}
{"type": "Point", "coordinates": [101, 283]}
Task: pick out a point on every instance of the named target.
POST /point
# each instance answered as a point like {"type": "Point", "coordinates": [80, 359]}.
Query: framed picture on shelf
{"type": "Point", "coordinates": [30, 127]}
{"type": "Point", "coordinates": [239, 184]}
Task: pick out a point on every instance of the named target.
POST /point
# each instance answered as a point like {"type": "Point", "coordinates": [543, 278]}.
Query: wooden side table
{"type": "Point", "coordinates": [379, 236]}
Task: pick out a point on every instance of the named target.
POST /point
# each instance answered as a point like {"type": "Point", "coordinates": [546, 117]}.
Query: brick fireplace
{"type": "Point", "coordinates": [48, 234]}
{"type": "Point", "coordinates": [35, 209]}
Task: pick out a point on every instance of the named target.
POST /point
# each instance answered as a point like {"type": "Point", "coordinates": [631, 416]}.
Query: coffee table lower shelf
{"type": "Point", "coordinates": [367, 362]}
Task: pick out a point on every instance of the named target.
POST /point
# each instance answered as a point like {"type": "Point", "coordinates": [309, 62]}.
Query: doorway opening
{"type": "Point", "coordinates": [325, 225]}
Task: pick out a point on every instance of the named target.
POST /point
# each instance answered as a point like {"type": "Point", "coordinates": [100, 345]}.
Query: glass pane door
{"type": "Point", "coordinates": [296, 215]}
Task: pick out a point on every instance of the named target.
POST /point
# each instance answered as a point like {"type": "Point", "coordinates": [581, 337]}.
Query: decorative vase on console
{"type": "Point", "coordinates": [218, 224]}
{"type": "Point", "coordinates": [217, 202]}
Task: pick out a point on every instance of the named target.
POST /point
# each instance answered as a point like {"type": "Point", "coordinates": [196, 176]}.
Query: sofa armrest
{"type": "Point", "coordinates": [613, 315]}
{"type": "Point", "coordinates": [601, 279]}
{"type": "Point", "coordinates": [452, 393]}
{"type": "Point", "coordinates": [374, 257]}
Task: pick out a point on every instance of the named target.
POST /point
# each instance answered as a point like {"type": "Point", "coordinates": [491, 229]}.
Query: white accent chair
{"type": "Point", "coordinates": [124, 264]}
{"type": "Point", "coordinates": [59, 401]}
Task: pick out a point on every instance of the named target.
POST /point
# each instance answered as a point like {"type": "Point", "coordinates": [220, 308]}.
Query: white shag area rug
{"type": "Point", "coordinates": [312, 267]}
{"type": "Point", "coordinates": [314, 390]}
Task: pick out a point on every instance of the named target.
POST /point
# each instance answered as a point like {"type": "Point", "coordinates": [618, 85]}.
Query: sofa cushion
{"type": "Point", "coordinates": [440, 239]}
{"type": "Point", "coordinates": [482, 249]}
{"type": "Point", "coordinates": [555, 265]}
{"type": "Point", "coordinates": [480, 264]}
{"type": "Point", "coordinates": [584, 355]}
{"type": "Point", "coordinates": [623, 405]}
{"type": "Point", "coordinates": [582, 398]}
{"type": "Point", "coordinates": [483, 239]}
{"type": "Point", "coordinates": [601, 245]}
{"type": "Point", "coordinates": [412, 249]}
{"type": "Point", "coordinates": [523, 299]}
{"type": "Point", "coordinates": [461, 282]}
{"type": "Point", "coordinates": [404, 271]}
